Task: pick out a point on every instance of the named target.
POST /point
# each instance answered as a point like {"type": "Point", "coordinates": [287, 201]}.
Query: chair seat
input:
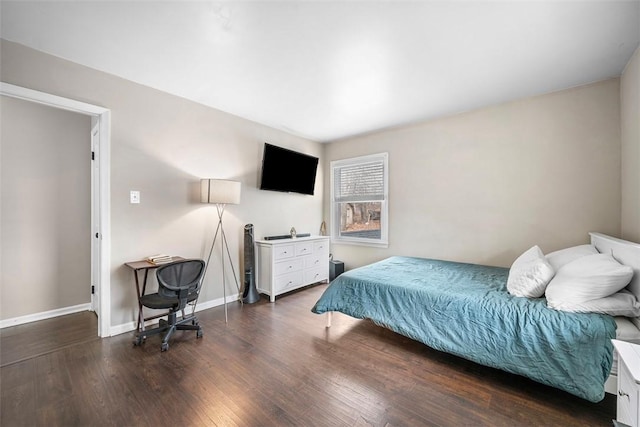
{"type": "Point", "coordinates": [157, 301]}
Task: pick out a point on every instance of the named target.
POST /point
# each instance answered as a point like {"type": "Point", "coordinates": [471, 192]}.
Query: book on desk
{"type": "Point", "coordinates": [159, 259]}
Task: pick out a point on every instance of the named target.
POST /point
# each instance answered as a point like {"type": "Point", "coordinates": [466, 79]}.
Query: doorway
{"type": "Point", "coordinates": [100, 220]}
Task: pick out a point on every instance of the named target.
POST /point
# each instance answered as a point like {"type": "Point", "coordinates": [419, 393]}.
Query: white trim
{"type": "Point", "coordinates": [15, 321]}
{"type": "Point", "coordinates": [104, 324]}
{"type": "Point", "coordinates": [131, 326]}
{"type": "Point", "coordinates": [103, 116]}
{"type": "Point", "coordinates": [27, 94]}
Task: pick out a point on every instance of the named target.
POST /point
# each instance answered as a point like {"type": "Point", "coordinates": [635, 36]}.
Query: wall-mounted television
{"type": "Point", "coordinates": [287, 170]}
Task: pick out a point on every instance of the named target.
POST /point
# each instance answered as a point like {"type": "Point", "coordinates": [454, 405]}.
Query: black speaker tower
{"type": "Point", "coordinates": [250, 294]}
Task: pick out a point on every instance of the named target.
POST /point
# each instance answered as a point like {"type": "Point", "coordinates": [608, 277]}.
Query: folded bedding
{"type": "Point", "coordinates": [465, 309]}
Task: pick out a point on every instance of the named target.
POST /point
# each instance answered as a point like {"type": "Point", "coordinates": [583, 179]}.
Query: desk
{"type": "Point", "coordinates": [137, 267]}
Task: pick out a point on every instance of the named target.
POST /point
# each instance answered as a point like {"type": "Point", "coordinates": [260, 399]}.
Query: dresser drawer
{"type": "Point", "coordinates": [288, 281]}
{"type": "Point", "coordinates": [283, 251]}
{"type": "Point", "coordinates": [315, 275]}
{"type": "Point", "coordinates": [288, 266]}
{"type": "Point", "coordinates": [303, 249]}
{"type": "Point", "coordinates": [321, 247]}
{"type": "Point", "coordinates": [314, 260]}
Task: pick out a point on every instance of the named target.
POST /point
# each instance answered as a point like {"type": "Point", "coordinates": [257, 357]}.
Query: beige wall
{"type": "Point", "coordinates": [162, 145]}
{"type": "Point", "coordinates": [630, 108]}
{"type": "Point", "coordinates": [45, 219]}
{"type": "Point", "coordinates": [486, 185]}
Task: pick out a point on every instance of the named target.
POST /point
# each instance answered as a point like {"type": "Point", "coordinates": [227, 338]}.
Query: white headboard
{"type": "Point", "coordinates": [625, 252]}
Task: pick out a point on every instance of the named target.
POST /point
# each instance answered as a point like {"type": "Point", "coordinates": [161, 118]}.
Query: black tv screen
{"type": "Point", "coordinates": [287, 170]}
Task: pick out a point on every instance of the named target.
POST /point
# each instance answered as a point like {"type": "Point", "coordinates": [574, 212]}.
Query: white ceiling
{"type": "Point", "coordinates": [327, 70]}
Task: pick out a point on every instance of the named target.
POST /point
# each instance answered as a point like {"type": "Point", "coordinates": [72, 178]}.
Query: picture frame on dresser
{"type": "Point", "coordinates": [284, 265]}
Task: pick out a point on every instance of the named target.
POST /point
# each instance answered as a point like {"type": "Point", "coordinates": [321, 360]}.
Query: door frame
{"type": "Point", "coordinates": [101, 221]}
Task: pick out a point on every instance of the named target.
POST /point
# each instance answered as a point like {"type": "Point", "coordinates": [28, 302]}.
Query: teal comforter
{"type": "Point", "coordinates": [465, 309]}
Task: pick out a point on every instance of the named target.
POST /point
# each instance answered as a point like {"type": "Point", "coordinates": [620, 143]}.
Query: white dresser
{"type": "Point", "coordinates": [287, 264]}
{"type": "Point", "coordinates": [628, 383]}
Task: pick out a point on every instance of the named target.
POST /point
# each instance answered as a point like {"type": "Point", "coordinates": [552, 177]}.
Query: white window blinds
{"type": "Point", "coordinates": [359, 182]}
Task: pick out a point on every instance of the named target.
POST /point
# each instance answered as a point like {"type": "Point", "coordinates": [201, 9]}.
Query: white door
{"type": "Point", "coordinates": [95, 217]}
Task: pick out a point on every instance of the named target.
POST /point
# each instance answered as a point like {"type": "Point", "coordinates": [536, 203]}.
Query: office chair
{"type": "Point", "coordinates": [179, 284]}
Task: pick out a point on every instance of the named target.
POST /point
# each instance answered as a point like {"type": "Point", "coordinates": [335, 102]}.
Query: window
{"type": "Point", "coordinates": [359, 200]}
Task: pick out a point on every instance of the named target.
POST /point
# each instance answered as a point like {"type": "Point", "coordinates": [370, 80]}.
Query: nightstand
{"type": "Point", "coordinates": [628, 383]}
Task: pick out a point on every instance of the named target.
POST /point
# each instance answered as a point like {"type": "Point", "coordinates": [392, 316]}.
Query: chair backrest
{"type": "Point", "coordinates": [181, 279]}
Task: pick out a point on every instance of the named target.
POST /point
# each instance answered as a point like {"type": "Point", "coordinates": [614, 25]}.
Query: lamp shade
{"type": "Point", "coordinates": [220, 191]}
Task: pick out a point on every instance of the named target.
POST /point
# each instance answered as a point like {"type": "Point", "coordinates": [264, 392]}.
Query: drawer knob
{"type": "Point", "coordinates": [622, 394]}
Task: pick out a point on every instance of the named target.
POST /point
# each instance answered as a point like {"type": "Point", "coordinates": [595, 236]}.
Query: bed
{"type": "Point", "coordinates": [466, 310]}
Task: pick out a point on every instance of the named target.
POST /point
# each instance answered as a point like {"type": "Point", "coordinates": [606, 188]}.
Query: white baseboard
{"type": "Point", "coordinates": [15, 321]}
{"type": "Point", "coordinates": [131, 326]}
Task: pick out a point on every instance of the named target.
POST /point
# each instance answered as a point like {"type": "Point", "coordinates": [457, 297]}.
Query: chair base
{"type": "Point", "coordinates": [168, 327]}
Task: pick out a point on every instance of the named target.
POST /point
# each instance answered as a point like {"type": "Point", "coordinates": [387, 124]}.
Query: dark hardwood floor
{"type": "Point", "coordinates": [26, 341]}
{"type": "Point", "coordinates": [271, 365]}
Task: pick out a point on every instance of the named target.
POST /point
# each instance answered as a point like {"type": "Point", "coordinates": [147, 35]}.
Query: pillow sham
{"type": "Point", "coordinates": [622, 303]}
{"type": "Point", "coordinates": [562, 257]}
{"type": "Point", "coordinates": [529, 274]}
{"type": "Point", "coordinates": [587, 278]}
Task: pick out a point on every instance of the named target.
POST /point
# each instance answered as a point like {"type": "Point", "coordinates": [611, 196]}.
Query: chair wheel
{"type": "Point", "coordinates": [199, 333]}
{"type": "Point", "coordinates": [138, 341]}
{"type": "Point", "coordinates": [165, 346]}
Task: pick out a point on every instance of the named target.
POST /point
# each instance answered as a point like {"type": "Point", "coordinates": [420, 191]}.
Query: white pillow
{"type": "Point", "coordinates": [562, 257]}
{"type": "Point", "coordinates": [587, 278]}
{"type": "Point", "coordinates": [622, 303]}
{"type": "Point", "coordinates": [529, 274]}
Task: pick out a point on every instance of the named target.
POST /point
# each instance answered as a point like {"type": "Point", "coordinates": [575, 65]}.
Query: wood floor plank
{"type": "Point", "coordinates": [18, 395]}
{"type": "Point", "coordinates": [272, 364]}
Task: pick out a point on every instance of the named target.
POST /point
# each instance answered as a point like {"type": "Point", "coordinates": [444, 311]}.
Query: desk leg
{"type": "Point", "coordinates": [141, 292]}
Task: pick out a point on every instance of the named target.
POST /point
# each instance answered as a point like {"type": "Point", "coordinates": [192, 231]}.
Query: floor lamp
{"type": "Point", "coordinates": [221, 192]}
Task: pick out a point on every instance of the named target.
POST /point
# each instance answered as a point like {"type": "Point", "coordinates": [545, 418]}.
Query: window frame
{"type": "Point", "coordinates": [383, 242]}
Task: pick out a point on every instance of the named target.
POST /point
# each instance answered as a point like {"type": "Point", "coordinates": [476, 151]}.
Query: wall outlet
{"type": "Point", "coordinates": [134, 196]}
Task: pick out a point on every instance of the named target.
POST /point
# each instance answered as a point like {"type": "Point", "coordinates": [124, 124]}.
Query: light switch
{"type": "Point", "coordinates": [134, 196]}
